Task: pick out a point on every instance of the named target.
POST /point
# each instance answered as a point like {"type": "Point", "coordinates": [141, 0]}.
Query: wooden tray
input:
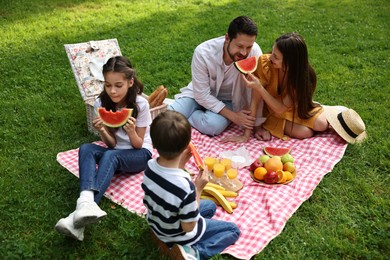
{"type": "Point", "coordinates": [224, 182]}
{"type": "Point", "coordinates": [232, 185]}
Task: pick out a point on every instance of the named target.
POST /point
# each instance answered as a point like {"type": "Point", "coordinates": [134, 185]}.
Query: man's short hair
{"type": "Point", "coordinates": [171, 133]}
{"type": "Point", "coordinates": [242, 25]}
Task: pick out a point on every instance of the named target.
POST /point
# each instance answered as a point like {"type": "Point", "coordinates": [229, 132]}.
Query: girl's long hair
{"type": "Point", "coordinates": [301, 79]}
{"type": "Point", "coordinates": [122, 65]}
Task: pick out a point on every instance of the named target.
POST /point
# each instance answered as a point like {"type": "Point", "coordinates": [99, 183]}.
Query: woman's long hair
{"type": "Point", "coordinates": [122, 65]}
{"type": "Point", "coordinates": [301, 79]}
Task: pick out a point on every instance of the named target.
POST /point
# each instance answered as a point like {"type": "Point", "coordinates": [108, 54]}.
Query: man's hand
{"type": "Point", "coordinates": [244, 119]}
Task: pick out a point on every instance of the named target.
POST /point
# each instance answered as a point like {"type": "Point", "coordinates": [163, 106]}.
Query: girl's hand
{"type": "Point", "coordinates": [251, 81]}
{"type": "Point", "coordinates": [129, 127]}
{"type": "Point", "coordinates": [98, 124]}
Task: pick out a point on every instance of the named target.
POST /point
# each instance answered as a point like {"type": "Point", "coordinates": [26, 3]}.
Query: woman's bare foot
{"type": "Point", "coordinates": [235, 139]}
{"type": "Point", "coordinates": [262, 134]}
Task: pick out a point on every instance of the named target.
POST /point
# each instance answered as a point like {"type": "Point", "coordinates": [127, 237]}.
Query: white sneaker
{"type": "Point", "coordinates": [65, 226]}
{"type": "Point", "coordinates": [87, 213]}
{"type": "Point", "coordinates": [179, 252]}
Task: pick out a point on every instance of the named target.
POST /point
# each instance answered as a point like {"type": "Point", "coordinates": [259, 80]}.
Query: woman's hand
{"type": "Point", "coordinates": [251, 81]}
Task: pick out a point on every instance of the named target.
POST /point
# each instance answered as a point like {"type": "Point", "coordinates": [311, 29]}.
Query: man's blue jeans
{"type": "Point", "coordinates": [219, 234]}
{"type": "Point", "coordinates": [110, 161]}
{"type": "Point", "coordinates": [203, 120]}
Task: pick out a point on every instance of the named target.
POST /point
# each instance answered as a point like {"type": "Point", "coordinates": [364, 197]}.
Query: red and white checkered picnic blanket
{"type": "Point", "coordinates": [263, 209]}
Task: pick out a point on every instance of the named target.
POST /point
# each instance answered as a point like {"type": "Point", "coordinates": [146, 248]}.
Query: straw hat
{"type": "Point", "coordinates": [347, 123]}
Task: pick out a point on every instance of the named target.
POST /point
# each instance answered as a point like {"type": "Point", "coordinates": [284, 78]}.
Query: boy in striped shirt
{"type": "Point", "coordinates": [176, 214]}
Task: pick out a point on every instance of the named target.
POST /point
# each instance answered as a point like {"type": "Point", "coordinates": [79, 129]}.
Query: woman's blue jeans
{"type": "Point", "coordinates": [219, 234]}
{"type": "Point", "coordinates": [110, 161]}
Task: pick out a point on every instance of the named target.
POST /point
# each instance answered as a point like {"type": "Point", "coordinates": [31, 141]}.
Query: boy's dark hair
{"type": "Point", "coordinates": [171, 133]}
{"type": "Point", "coordinates": [242, 24]}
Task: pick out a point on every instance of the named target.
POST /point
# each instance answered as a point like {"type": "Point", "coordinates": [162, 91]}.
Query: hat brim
{"type": "Point", "coordinates": [331, 115]}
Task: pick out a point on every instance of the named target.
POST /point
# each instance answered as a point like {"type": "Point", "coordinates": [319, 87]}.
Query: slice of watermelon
{"type": "Point", "coordinates": [198, 160]}
{"type": "Point", "coordinates": [276, 151]}
{"type": "Point", "coordinates": [247, 65]}
{"type": "Point", "coordinates": [114, 119]}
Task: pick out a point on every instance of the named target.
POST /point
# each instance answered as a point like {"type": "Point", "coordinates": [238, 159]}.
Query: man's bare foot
{"type": "Point", "coordinates": [262, 134]}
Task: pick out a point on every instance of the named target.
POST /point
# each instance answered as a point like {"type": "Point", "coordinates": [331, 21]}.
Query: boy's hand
{"type": "Point", "coordinates": [201, 180]}
{"type": "Point", "coordinates": [185, 156]}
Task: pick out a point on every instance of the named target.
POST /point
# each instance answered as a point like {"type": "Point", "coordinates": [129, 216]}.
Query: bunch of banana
{"type": "Point", "coordinates": [218, 194]}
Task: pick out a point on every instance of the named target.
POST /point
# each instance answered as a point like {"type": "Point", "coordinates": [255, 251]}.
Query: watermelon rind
{"type": "Point", "coordinates": [276, 151]}
{"type": "Point", "coordinates": [115, 119]}
{"type": "Point", "coordinates": [246, 66]}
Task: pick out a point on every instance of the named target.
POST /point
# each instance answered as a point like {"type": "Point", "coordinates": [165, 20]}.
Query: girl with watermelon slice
{"type": "Point", "coordinates": [286, 82]}
{"type": "Point", "coordinates": [129, 147]}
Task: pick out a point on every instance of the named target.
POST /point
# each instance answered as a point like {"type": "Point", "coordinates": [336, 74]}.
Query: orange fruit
{"type": "Point", "coordinates": [259, 173]}
{"type": "Point", "coordinates": [289, 175]}
{"type": "Point", "coordinates": [282, 176]}
{"type": "Point", "coordinates": [273, 165]}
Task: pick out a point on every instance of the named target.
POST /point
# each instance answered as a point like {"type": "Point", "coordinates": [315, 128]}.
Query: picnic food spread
{"type": "Point", "coordinates": [247, 65]}
{"type": "Point", "coordinates": [271, 168]}
{"type": "Point", "coordinates": [275, 166]}
{"type": "Point", "coordinates": [114, 119]}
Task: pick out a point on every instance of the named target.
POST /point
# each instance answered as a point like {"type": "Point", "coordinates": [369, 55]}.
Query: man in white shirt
{"type": "Point", "coordinates": [217, 96]}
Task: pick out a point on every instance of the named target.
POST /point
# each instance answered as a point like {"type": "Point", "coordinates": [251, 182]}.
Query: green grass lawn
{"type": "Point", "coordinates": [42, 113]}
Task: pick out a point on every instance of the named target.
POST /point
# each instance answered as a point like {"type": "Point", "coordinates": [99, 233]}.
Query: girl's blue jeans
{"type": "Point", "coordinates": [219, 234]}
{"type": "Point", "coordinates": [110, 161]}
{"type": "Point", "coordinates": [203, 120]}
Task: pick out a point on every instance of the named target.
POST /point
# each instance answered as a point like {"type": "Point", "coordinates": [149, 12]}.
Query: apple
{"type": "Point", "coordinates": [289, 166]}
{"type": "Point", "coordinates": [271, 178]}
{"type": "Point", "coordinates": [255, 165]}
{"type": "Point", "coordinates": [287, 158]}
{"type": "Point", "coordinates": [263, 158]}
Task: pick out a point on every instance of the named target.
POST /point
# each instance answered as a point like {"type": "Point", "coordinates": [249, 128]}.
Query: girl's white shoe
{"type": "Point", "coordinates": [86, 213]}
{"type": "Point", "coordinates": [66, 227]}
